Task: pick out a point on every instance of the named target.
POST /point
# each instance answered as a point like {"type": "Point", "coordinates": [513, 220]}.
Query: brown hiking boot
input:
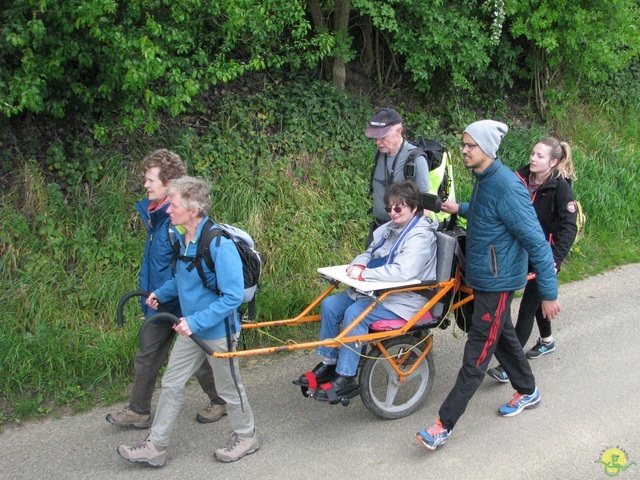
{"type": "Point", "coordinates": [146, 452]}
{"type": "Point", "coordinates": [211, 413]}
{"type": "Point", "coordinates": [237, 447]}
{"type": "Point", "coordinates": [128, 418]}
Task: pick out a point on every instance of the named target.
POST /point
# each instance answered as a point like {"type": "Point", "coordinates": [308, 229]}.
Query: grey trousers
{"type": "Point", "coordinates": [158, 339]}
{"type": "Point", "coordinates": [184, 360]}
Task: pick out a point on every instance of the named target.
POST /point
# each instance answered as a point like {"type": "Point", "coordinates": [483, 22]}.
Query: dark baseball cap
{"type": "Point", "coordinates": [381, 122]}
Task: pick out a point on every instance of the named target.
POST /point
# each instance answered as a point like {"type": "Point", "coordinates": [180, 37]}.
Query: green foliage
{"type": "Point", "coordinates": [142, 58]}
{"type": "Point", "coordinates": [86, 65]}
{"type": "Point", "coordinates": [62, 261]}
{"type": "Point", "coordinates": [288, 162]}
{"type": "Point", "coordinates": [588, 39]}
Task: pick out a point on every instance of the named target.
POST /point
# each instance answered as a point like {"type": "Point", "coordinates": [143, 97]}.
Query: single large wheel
{"type": "Point", "coordinates": [380, 387]}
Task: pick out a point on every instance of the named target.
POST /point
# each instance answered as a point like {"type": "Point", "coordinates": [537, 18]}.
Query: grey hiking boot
{"type": "Point", "coordinates": [146, 452]}
{"type": "Point", "coordinates": [237, 447]}
{"type": "Point", "coordinates": [211, 413]}
{"type": "Point", "coordinates": [128, 418]}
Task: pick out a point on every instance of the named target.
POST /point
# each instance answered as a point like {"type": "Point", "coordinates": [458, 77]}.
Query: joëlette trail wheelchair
{"type": "Point", "coordinates": [396, 370]}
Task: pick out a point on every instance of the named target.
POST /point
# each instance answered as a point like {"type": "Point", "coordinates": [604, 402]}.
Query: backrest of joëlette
{"type": "Point", "coordinates": [446, 247]}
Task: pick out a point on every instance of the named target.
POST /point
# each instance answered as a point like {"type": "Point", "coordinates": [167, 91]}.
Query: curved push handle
{"type": "Point", "coordinates": [125, 298]}
{"type": "Point", "coordinates": [171, 318]}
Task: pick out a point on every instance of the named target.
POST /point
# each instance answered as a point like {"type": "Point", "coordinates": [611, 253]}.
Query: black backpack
{"type": "Point", "coordinates": [431, 149]}
{"type": "Point", "coordinates": [251, 261]}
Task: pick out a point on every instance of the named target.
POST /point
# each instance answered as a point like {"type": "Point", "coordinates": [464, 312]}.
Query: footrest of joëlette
{"type": "Point", "coordinates": [304, 388]}
{"type": "Point", "coordinates": [331, 397]}
{"type": "Point", "coordinates": [309, 382]}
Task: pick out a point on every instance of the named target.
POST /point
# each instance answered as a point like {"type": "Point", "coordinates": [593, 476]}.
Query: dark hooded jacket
{"type": "Point", "coordinates": [556, 210]}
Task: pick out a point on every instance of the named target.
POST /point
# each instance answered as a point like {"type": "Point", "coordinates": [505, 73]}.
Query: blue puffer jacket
{"type": "Point", "coordinates": [502, 229]}
{"type": "Point", "coordinates": [156, 260]}
{"type": "Point", "coordinates": [204, 309]}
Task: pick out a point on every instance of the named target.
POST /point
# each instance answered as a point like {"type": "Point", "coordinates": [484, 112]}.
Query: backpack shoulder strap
{"type": "Point", "coordinates": [409, 170]}
{"type": "Point", "coordinates": [203, 251]}
{"type": "Point", "coordinates": [373, 172]}
{"type": "Point", "coordinates": [175, 245]}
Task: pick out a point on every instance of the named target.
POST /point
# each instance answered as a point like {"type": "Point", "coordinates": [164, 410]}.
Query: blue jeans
{"type": "Point", "coordinates": [340, 309]}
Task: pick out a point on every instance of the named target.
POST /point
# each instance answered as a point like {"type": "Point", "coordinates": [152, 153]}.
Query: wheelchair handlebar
{"type": "Point", "coordinates": [160, 316]}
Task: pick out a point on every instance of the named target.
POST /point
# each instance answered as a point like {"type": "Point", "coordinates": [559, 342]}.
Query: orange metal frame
{"type": "Point", "coordinates": [441, 288]}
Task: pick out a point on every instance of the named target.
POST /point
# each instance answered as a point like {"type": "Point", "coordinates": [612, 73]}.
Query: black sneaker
{"type": "Point", "coordinates": [322, 372]}
{"type": "Point", "coordinates": [499, 374]}
{"type": "Point", "coordinates": [541, 348]}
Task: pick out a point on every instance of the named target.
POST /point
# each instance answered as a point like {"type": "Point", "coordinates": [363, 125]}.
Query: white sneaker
{"type": "Point", "coordinates": [237, 447]}
{"type": "Point", "coordinates": [146, 452]}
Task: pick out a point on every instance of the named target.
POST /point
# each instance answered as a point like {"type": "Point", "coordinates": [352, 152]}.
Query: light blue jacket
{"type": "Point", "coordinates": [204, 309]}
{"type": "Point", "coordinates": [503, 234]}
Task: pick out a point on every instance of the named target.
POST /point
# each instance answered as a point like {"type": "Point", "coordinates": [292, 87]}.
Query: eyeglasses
{"type": "Point", "coordinates": [397, 208]}
{"type": "Point", "coordinates": [470, 146]}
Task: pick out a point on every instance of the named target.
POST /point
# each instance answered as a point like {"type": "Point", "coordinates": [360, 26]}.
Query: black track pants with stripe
{"type": "Point", "coordinates": [491, 333]}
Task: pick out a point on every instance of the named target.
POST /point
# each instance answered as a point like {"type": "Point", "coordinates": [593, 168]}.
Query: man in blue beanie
{"type": "Point", "coordinates": [503, 235]}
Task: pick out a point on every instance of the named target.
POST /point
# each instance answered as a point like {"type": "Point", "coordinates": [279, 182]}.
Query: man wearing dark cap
{"type": "Point", "coordinates": [391, 155]}
{"type": "Point", "coordinates": [503, 235]}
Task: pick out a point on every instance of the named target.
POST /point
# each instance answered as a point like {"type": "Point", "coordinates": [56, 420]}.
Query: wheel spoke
{"type": "Point", "coordinates": [418, 372]}
{"type": "Point", "coordinates": [386, 364]}
{"type": "Point", "coordinates": [392, 391]}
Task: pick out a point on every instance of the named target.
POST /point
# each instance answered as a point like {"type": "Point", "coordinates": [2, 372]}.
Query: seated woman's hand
{"type": "Point", "coordinates": [354, 271]}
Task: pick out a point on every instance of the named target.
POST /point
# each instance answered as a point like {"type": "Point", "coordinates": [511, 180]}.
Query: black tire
{"type": "Point", "coordinates": [379, 387]}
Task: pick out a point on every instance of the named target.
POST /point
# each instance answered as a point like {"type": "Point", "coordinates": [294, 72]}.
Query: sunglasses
{"type": "Point", "coordinates": [397, 208]}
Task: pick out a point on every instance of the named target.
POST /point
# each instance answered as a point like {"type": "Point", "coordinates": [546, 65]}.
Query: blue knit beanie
{"type": "Point", "coordinates": [488, 135]}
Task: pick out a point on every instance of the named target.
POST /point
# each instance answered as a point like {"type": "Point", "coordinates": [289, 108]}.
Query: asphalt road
{"type": "Point", "coordinates": [590, 388]}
